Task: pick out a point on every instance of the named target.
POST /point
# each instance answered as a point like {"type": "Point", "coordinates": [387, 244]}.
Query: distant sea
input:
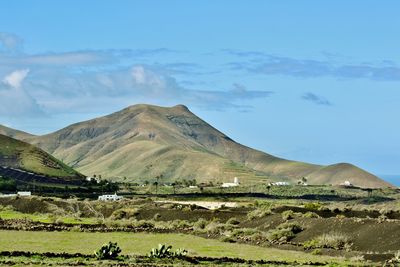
{"type": "Point", "coordinates": [393, 179]}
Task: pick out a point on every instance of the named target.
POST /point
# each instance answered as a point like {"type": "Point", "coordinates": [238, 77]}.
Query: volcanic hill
{"type": "Point", "coordinates": [143, 141]}
{"type": "Point", "coordinates": [25, 161]}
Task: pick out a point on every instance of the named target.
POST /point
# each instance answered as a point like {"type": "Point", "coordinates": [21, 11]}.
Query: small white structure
{"type": "Point", "coordinates": [280, 183]}
{"type": "Point", "coordinates": [89, 179]}
{"type": "Point", "coordinates": [346, 183]}
{"type": "Point", "coordinates": [235, 183]}
{"type": "Point", "coordinates": [24, 193]}
{"type": "Point", "coordinates": [193, 186]}
{"type": "Point", "coordinates": [114, 197]}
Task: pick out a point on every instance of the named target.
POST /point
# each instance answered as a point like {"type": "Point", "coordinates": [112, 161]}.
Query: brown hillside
{"type": "Point", "coordinates": [20, 155]}
{"type": "Point", "coordinates": [143, 141]}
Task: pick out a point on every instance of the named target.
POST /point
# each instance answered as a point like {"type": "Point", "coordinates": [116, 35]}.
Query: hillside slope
{"type": "Point", "coordinates": [20, 155]}
{"type": "Point", "coordinates": [143, 141]}
{"type": "Point", "coordinates": [20, 135]}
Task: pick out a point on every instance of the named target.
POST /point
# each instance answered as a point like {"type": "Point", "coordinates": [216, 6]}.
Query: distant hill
{"type": "Point", "coordinates": [14, 133]}
{"type": "Point", "coordinates": [23, 158]}
{"type": "Point", "coordinates": [144, 141]}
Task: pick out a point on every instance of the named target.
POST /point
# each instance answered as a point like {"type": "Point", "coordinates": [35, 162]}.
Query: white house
{"type": "Point", "coordinates": [235, 183]}
{"type": "Point", "coordinates": [24, 193]}
{"type": "Point", "coordinates": [114, 197]}
{"type": "Point", "coordinates": [346, 183]}
{"type": "Point", "coordinates": [89, 179]}
{"type": "Point", "coordinates": [280, 183]}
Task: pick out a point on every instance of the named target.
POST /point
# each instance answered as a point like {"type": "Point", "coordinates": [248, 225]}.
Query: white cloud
{"type": "Point", "coordinates": [15, 78]}
{"type": "Point", "coordinates": [14, 100]}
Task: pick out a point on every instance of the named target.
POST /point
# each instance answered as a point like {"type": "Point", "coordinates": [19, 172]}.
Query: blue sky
{"type": "Point", "coordinates": [305, 80]}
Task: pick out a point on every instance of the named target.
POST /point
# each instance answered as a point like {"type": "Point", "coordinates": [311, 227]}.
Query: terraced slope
{"type": "Point", "coordinates": [143, 141]}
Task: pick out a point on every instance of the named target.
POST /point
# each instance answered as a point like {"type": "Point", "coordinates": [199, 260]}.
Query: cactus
{"type": "Point", "coordinates": [108, 251]}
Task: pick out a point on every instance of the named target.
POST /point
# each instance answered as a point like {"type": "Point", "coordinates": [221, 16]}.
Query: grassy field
{"type": "Point", "coordinates": [141, 244]}
{"type": "Point", "coordinates": [44, 218]}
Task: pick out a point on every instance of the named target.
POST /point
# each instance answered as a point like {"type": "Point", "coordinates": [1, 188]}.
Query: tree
{"type": "Point", "coordinates": [268, 188]}
{"type": "Point", "coordinates": [173, 186]}
{"type": "Point", "coordinates": [156, 184]}
{"type": "Point", "coordinates": [158, 177]}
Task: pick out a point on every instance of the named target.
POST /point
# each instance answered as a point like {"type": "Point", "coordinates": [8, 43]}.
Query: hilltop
{"type": "Point", "coordinates": [143, 141]}
{"type": "Point", "coordinates": [26, 157]}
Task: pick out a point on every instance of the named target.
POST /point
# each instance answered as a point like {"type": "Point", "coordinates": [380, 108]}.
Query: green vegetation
{"type": "Point", "coordinates": [165, 251]}
{"type": "Point", "coordinates": [108, 251]}
{"type": "Point", "coordinates": [7, 184]}
{"type": "Point", "coordinates": [15, 153]}
{"type": "Point", "coordinates": [142, 243]}
{"type": "Point", "coordinates": [284, 232]}
{"type": "Point", "coordinates": [329, 240]}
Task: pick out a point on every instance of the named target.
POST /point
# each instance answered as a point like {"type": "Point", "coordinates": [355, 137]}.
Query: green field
{"type": "Point", "coordinates": [141, 244]}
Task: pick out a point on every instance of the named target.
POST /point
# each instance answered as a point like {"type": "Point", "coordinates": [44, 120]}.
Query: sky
{"type": "Point", "coordinates": [314, 81]}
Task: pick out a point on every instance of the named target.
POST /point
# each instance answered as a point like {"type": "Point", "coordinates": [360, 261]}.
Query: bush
{"type": "Point", "coordinates": [311, 244]}
{"type": "Point", "coordinates": [288, 214]}
{"type": "Point", "coordinates": [125, 213]}
{"type": "Point", "coordinates": [200, 224]}
{"type": "Point", "coordinates": [310, 214]}
{"type": "Point", "coordinates": [284, 232]}
{"type": "Point", "coordinates": [233, 221]}
{"type": "Point", "coordinates": [312, 206]}
{"type": "Point", "coordinates": [108, 251]}
{"type": "Point", "coordinates": [316, 252]}
{"type": "Point", "coordinates": [164, 251]}
{"type": "Point", "coordinates": [333, 240]}
{"type": "Point", "coordinates": [259, 213]}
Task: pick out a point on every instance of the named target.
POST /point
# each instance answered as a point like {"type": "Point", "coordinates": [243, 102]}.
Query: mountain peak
{"type": "Point", "coordinates": [143, 141]}
{"type": "Point", "coordinates": [146, 107]}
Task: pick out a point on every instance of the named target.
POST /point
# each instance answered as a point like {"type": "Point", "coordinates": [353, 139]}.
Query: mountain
{"type": "Point", "coordinates": [143, 141]}
{"type": "Point", "coordinates": [14, 133]}
{"type": "Point", "coordinates": [27, 160]}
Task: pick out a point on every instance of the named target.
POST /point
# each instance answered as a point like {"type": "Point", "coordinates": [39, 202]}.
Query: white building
{"type": "Point", "coordinates": [114, 197]}
{"type": "Point", "coordinates": [24, 193]}
{"type": "Point", "coordinates": [346, 183]}
{"type": "Point", "coordinates": [89, 179]}
{"type": "Point", "coordinates": [280, 183]}
{"type": "Point", "coordinates": [235, 183]}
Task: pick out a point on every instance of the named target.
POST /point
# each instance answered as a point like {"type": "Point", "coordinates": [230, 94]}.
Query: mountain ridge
{"type": "Point", "coordinates": [23, 157]}
{"type": "Point", "coordinates": [143, 141]}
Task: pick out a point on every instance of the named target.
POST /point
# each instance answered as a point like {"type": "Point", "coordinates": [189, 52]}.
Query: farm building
{"type": "Point", "coordinates": [114, 197]}
{"type": "Point", "coordinates": [235, 183]}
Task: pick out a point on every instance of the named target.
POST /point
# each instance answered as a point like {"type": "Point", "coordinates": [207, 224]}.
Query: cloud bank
{"type": "Point", "coordinates": [261, 63]}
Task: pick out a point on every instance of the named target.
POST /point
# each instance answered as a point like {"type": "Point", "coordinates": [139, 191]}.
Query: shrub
{"type": "Point", "coordinates": [108, 251]}
{"type": "Point", "coordinates": [164, 251]}
{"type": "Point", "coordinates": [244, 232]}
{"type": "Point", "coordinates": [180, 224]}
{"type": "Point", "coordinates": [395, 260]}
{"type": "Point", "coordinates": [310, 214]}
{"type": "Point", "coordinates": [312, 206]}
{"type": "Point", "coordinates": [259, 213]}
{"type": "Point", "coordinates": [288, 214]}
{"type": "Point", "coordinates": [233, 221]}
{"type": "Point", "coordinates": [125, 213]}
{"type": "Point", "coordinates": [316, 252]}
{"type": "Point", "coordinates": [311, 244]}
{"type": "Point", "coordinates": [144, 224]}
{"type": "Point", "coordinates": [333, 240]}
{"type": "Point", "coordinates": [284, 232]}
{"type": "Point", "coordinates": [200, 224]}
